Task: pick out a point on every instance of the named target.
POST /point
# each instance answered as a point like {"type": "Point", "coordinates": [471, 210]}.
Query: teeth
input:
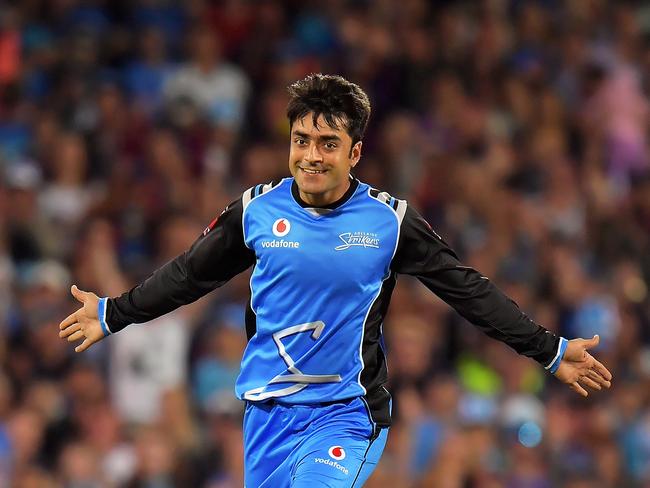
{"type": "Point", "coordinates": [312, 171]}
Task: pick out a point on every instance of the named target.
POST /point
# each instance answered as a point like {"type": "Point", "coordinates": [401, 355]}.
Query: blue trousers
{"type": "Point", "coordinates": [300, 446]}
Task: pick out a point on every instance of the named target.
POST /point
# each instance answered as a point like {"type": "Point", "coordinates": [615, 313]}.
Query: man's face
{"type": "Point", "coordinates": [320, 159]}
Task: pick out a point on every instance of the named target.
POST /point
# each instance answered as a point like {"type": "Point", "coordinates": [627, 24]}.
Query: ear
{"type": "Point", "coordinates": [355, 154]}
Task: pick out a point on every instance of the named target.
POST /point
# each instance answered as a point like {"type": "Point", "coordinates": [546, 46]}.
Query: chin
{"type": "Point", "coordinates": [311, 188]}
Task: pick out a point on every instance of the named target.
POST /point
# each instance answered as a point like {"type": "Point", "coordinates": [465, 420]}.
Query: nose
{"type": "Point", "coordinates": [313, 155]}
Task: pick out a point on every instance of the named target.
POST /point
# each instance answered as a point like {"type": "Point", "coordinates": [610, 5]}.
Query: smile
{"type": "Point", "coordinates": [313, 171]}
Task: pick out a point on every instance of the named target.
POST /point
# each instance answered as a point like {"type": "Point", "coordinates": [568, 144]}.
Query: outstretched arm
{"type": "Point", "coordinates": [422, 253]}
{"type": "Point", "coordinates": [214, 258]}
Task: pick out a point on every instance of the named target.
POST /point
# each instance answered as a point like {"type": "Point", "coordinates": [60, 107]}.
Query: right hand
{"type": "Point", "coordinates": [84, 323]}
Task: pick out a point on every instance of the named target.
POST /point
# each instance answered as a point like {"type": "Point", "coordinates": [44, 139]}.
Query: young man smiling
{"type": "Point", "coordinates": [326, 249]}
{"type": "Point", "coordinates": [321, 156]}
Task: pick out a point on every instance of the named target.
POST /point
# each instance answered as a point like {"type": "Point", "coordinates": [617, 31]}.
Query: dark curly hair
{"type": "Point", "coordinates": [335, 98]}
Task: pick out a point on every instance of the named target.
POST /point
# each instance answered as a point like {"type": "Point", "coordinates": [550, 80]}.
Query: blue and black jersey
{"type": "Point", "coordinates": [320, 289]}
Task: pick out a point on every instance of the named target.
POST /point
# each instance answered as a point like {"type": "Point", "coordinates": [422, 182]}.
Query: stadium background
{"type": "Point", "coordinates": [518, 128]}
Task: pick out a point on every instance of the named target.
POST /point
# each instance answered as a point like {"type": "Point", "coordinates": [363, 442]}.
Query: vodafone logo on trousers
{"type": "Point", "coordinates": [281, 227]}
{"type": "Point", "coordinates": [337, 453]}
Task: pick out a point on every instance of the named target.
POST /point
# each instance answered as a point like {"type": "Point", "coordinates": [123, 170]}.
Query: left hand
{"type": "Point", "coordinates": [579, 369]}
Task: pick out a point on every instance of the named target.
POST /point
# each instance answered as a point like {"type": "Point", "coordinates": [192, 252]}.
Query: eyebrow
{"type": "Point", "coordinates": [327, 137]}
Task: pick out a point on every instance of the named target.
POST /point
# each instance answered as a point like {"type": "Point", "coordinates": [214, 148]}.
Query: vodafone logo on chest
{"type": "Point", "coordinates": [337, 453]}
{"type": "Point", "coordinates": [281, 227]}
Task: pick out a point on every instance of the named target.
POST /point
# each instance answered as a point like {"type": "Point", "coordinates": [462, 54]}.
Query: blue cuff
{"type": "Point", "coordinates": [555, 364]}
{"type": "Point", "coordinates": [101, 312]}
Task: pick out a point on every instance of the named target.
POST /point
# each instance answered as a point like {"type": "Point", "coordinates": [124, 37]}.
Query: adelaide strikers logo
{"type": "Point", "coordinates": [337, 453]}
{"type": "Point", "coordinates": [281, 227]}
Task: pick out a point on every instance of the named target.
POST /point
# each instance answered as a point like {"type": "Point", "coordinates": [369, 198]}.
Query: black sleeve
{"type": "Point", "coordinates": [214, 258]}
{"type": "Point", "coordinates": [422, 253]}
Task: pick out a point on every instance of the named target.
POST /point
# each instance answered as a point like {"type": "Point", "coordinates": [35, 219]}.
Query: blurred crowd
{"type": "Point", "coordinates": [519, 129]}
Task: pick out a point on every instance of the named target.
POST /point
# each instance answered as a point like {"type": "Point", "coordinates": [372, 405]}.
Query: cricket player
{"type": "Point", "coordinates": [326, 250]}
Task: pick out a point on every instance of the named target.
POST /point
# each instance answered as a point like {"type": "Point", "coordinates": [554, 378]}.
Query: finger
{"type": "Point", "coordinates": [587, 381]}
{"type": "Point", "coordinates": [591, 343]}
{"type": "Point", "coordinates": [78, 294]}
{"type": "Point", "coordinates": [84, 345]}
{"type": "Point", "coordinates": [69, 320]}
{"type": "Point", "coordinates": [76, 336]}
{"type": "Point", "coordinates": [598, 378]}
{"type": "Point", "coordinates": [601, 370]}
{"type": "Point", "coordinates": [70, 330]}
{"type": "Point", "coordinates": [578, 389]}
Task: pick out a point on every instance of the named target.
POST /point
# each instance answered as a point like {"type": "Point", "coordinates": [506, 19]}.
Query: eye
{"type": "Point", "coordinates": [300, 141]}
{"type": "Point", "coordinates": [331, 145]}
